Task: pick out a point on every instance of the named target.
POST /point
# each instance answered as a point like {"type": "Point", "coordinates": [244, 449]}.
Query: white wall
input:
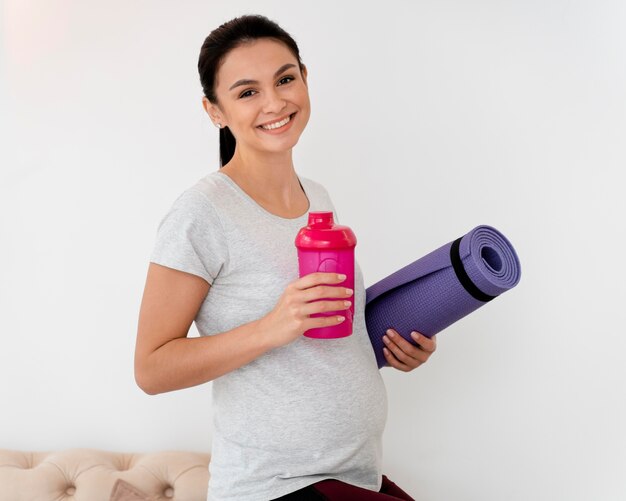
{"type": "Point", "coordinates": [428, 118]}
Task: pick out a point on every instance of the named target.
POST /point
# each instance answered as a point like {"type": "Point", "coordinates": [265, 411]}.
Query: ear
{"type": "Point", "coordinates": [213, 111]}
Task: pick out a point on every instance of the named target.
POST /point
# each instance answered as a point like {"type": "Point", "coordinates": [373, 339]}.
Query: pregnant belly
{"type": "Point", "coordinates": [294, 409]}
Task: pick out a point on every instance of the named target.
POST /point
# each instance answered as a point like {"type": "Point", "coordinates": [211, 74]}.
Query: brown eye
{"type": "Point", "coordinates": [246, 92]}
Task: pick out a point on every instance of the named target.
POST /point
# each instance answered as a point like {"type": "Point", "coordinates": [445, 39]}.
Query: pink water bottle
{"type": "Point", "coordinates": [324, 246]}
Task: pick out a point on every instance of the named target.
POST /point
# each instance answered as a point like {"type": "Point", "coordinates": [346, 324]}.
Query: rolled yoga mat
{"type": "Point", "coordinates": [442, 287]}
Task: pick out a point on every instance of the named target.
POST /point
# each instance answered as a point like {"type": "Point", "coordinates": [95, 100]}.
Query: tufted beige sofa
{"type": "Point", "coordinates": [92, 475]}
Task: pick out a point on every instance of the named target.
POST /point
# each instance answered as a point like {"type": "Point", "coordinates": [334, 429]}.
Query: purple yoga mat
{"type": "Point", "coordinates": [442, 287]}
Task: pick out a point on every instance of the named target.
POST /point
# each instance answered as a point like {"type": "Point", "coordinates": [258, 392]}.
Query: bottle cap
{"type": "Point", "coordinates": [321, 232]}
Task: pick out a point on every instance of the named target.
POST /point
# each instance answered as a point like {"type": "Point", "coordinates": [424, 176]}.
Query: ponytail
{"type": "Point", "coordinates": [227, 146]}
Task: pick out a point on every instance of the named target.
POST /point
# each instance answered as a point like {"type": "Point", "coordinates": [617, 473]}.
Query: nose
{"type": "Point", "coordinates": [274, 103]}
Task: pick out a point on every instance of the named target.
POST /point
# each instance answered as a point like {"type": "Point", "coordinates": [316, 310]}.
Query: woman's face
{"type": "Point", "coordinates": [259, 84]}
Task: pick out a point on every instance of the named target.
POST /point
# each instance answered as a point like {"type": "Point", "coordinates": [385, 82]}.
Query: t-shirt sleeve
{"type": "Point", "coordinates": [191, 238]}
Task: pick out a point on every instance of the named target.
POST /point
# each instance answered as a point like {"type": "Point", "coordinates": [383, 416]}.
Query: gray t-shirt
{"type": "Point", "coordinates": [308, 411]}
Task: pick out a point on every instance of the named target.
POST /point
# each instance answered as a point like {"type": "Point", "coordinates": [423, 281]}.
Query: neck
{"type": "Point", "coordinates": [266, 176]}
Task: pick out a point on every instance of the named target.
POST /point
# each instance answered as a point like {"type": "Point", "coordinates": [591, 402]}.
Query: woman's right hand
{"type": "Point", "coordinates": [291, 318]}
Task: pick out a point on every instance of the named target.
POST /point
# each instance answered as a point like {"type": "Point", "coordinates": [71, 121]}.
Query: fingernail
{"type": "Point", "coordinates": [340, 276]}
{"type": "Point", "coordinates": [349, 291]}
{"type": "Point", "coordinates": [390, 333]}
{"type": "Point", "coordinates": [386, 340]}
{"type": "Point", "coordinates": [415, 335]}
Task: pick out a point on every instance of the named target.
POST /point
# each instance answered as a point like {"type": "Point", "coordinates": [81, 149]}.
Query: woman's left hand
{"type": "Point", "coordinates": [403, 355]}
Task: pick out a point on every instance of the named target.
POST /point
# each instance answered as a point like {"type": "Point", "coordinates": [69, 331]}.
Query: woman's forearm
{"type": "Point", "coordinates": [185, 362]}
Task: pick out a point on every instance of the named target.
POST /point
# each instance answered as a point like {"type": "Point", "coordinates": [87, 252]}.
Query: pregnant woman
{"type": "Point", "coordinates": [294, 418]}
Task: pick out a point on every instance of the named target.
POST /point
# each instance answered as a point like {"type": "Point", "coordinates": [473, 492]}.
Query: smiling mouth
{"type": "Point", "coordinates": [279, 124]}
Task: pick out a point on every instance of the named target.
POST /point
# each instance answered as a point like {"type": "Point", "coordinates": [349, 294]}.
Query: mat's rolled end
{"type": "Point", "coordinates": [442, 287]}
{"type": "Point", "coordinates": [490, 260]}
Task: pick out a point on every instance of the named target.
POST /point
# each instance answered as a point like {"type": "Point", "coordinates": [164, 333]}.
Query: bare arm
{"type": "Point", "coordinates": [166, 359]}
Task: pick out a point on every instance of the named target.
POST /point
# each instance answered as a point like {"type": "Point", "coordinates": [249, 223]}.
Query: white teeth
{"type": "Point", "coordinates": [277, 124]}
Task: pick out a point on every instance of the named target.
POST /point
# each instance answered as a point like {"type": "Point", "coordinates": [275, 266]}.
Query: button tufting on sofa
{"type": "Point", "coordinates": [90, 474]}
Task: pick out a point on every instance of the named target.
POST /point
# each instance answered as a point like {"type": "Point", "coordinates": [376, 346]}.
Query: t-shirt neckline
{"type": "Point", "coordinates": [261, 209]}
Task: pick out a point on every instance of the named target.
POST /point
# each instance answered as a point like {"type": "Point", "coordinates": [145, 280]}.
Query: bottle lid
{"type": "Point", "coordinates": [321, 232]}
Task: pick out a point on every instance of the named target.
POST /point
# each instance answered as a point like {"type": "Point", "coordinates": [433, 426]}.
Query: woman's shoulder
{"type": "Point", "coordinates": [208, 191]}
{"type": "Point", "coordinates": [317, 191]}
{"type": "Point", "coordinates": [312, 186]}
{"type": "Point", "coordinates": [198, 201]}
{"type": "Point", "coordinates": [210, 185]}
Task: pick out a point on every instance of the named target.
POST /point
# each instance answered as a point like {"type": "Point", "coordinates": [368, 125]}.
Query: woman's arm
{"type": "Point", "coordinates": [165, 358]}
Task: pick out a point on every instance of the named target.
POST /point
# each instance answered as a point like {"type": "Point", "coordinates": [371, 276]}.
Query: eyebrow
{"type": "Point", "coordinates": [246, 81]}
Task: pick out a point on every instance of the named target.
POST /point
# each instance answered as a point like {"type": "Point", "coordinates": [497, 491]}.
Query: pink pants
{"type": "Point", "coordinates": [331, 490]}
